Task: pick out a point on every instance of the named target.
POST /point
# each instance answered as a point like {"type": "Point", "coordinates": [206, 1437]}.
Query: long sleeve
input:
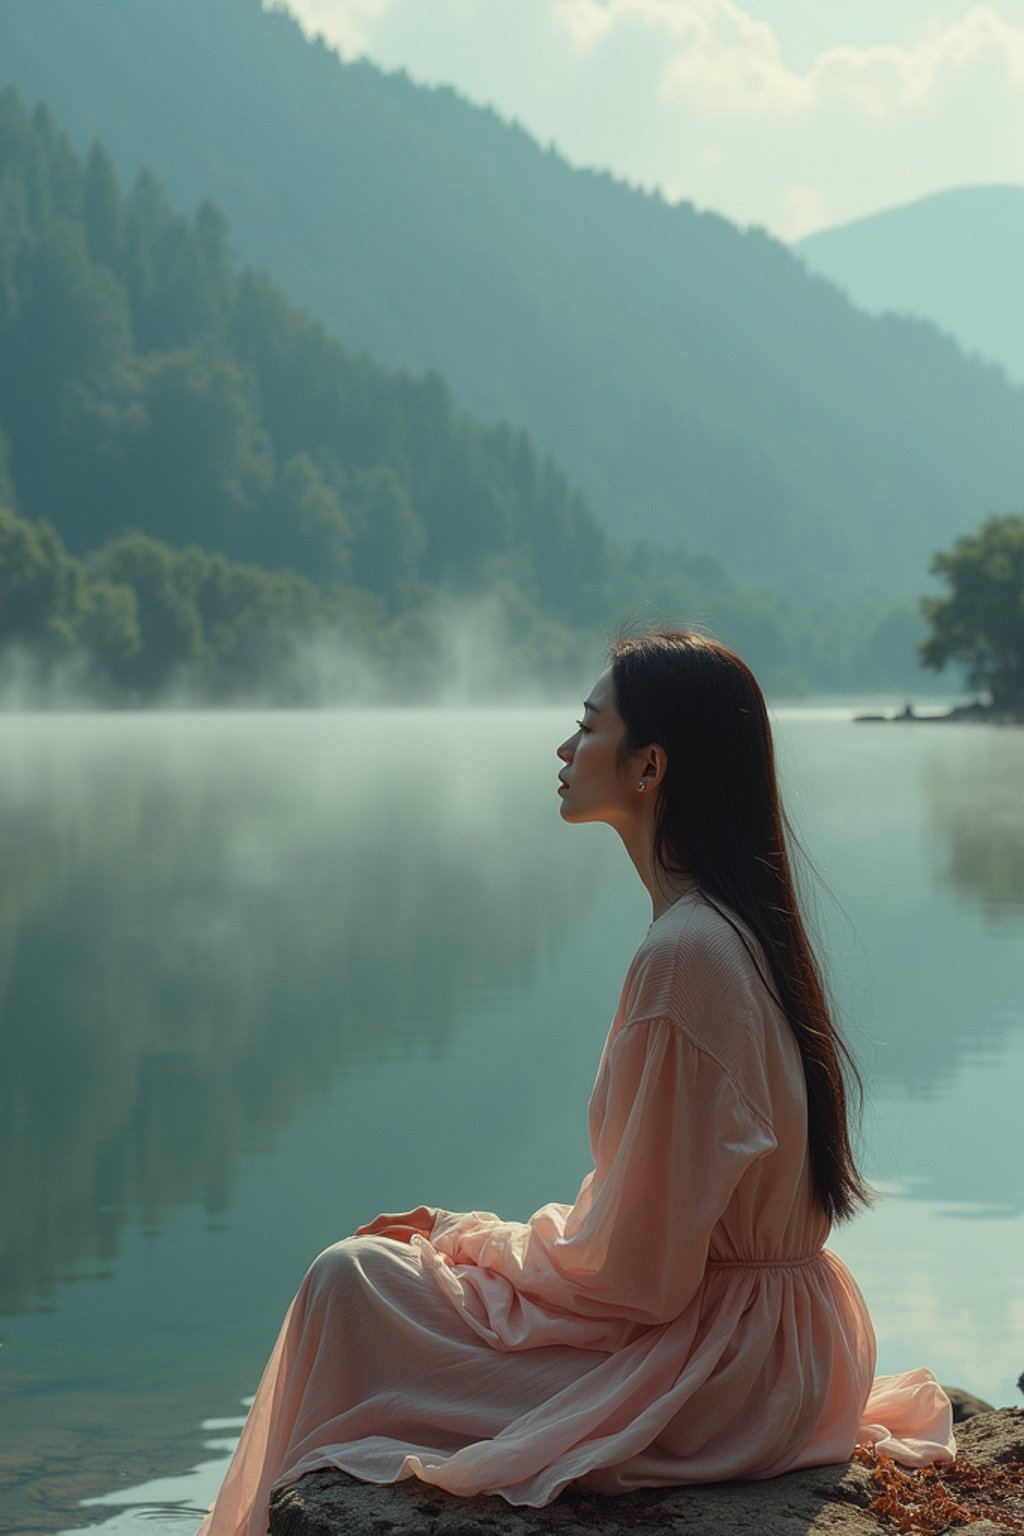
{"type": "Point", "coordinates": [671, 1135]}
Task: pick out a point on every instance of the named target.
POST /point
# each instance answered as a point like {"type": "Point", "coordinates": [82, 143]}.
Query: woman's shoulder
{"type": "Point", "coordinates": [701, 969]}
{"type": "Point", "coordinates": [699, 943]}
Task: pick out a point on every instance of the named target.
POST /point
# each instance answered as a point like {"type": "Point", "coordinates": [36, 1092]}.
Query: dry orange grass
{"type": "Point", "coordinates": [929, 1500]}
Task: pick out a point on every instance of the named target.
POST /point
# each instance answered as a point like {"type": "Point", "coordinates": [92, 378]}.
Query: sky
{"type": "Point", "coordinates": [796, 115]}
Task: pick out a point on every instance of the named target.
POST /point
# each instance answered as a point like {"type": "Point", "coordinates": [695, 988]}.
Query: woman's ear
{"type": "Point", "coordinates": [654, 766]}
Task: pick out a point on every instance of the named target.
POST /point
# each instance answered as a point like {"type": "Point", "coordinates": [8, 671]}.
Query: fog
{"type": "Point", "coordinates": [471, 655]}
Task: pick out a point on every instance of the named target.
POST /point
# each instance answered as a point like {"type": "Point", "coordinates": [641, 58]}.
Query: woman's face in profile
{"type": "Point", "coordinates": [597, 783]}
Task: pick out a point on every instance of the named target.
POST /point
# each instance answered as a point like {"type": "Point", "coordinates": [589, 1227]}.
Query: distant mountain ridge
{"type": "Point", "coordinates": [955, 258]}
{"type": "Point", "coordinates": [692, 378]}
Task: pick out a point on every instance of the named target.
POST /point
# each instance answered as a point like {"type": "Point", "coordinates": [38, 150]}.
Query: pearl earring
{"type": "Point", "coordinates": [641, 785]}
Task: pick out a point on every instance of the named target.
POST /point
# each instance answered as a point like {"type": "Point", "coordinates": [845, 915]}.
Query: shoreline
{"type": "Point", "coordinates": [960, 714]}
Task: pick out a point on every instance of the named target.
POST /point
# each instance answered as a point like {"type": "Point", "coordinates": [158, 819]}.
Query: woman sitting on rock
{"type": "Point", "coordinates": [681, 1321]}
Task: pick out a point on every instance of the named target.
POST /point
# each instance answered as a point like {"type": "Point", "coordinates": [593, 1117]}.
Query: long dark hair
{"type": "Point", "coordinates": [720, 819]}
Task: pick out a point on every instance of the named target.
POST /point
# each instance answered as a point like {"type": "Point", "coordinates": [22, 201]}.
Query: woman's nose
{"type": "Point", "coordinates": [564, 752]}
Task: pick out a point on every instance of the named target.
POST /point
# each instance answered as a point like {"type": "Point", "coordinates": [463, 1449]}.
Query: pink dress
{"type": "Point", "coordinates": [680, 1323]}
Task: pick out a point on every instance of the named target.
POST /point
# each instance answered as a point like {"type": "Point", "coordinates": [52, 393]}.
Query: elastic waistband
{"type": "Point", "coordinates": [801, 1263]}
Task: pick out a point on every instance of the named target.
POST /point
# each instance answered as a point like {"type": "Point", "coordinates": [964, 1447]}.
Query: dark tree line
{"type": "Point", "coordinates": [139, 617]}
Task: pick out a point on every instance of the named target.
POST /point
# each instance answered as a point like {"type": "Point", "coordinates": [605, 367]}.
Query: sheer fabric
{"type": "Point", "coordinates": [680, 1322]}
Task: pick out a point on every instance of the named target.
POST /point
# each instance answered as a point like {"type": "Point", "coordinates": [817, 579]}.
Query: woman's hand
{"type": "Point", "coordinates": [402, 1226]}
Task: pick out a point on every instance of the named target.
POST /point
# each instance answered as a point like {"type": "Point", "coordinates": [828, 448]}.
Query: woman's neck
{"type": "Point", "coordinates": [663, 886]}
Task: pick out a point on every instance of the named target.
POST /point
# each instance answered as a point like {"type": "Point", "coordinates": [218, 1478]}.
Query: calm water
{"type": "Point", "coordinates": [263, 976]}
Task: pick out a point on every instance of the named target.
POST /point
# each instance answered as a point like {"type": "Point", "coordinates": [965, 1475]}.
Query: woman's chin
{"type": "Point", "coordinates": [571, 813]}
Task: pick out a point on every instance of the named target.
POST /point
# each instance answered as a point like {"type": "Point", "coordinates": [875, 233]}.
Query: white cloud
{"type": "Point", "coordinates": [804, 211]}
{"type": "Point", "coordinates": [699, 98]}
{"type": "Point", "coordinates": [884, 80]}
{"type": "Point", "coordinates": [722, 58]}
{"type": "Point", "coordinates": [348, 25]}
{"type": "Point", "coordinates": [714, 51]}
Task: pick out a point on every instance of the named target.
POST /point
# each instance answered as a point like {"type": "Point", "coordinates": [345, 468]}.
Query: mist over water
{"type": "Point", "coordinates": [262, 975]}
{"type": "Point", "coordinates": [453, 653]}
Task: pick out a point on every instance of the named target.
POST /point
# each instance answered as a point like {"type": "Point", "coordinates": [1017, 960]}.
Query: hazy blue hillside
{"type": "Point", "coordinates": [956, 258]}
{"type": "Point", "coordinates": [694, 379]}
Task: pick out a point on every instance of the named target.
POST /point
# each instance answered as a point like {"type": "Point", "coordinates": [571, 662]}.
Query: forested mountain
{"type": "Point", "coordinates": [694, 379]}
{"type": "Point", "coordinates": [199, 478]}
{"type": "Point", "coordinates": [147, 382]}
{"type": "Point", "coordinates": [955, 258]}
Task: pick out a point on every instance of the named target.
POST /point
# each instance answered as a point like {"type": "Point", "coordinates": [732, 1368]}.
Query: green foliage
{"type": "Point", "coordinates": [40, 588]}
{"type": "Point", "coordinates": [390, 538]}
{"type": "Point", "coordinates": [980, 622]}
{"type": "Point", "coordinates": [108, 627]}
{"type": "Point", "coordinates": [170, 628]}
{"type": "Point", "coordinates": [145, 383]}
{"type": "Point", "coordinates": [148, 623]}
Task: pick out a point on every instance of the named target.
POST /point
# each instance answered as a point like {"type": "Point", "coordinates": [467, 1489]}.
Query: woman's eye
{"type": "Point", "coordinates": [582, 726]}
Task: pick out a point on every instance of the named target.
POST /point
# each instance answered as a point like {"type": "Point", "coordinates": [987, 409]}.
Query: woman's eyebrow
{"type": "Point", "coordinates": [589, 704]}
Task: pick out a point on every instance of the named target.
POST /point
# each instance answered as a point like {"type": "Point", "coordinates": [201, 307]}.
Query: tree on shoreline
{"type": "Point", "coordinates": [980, 622]}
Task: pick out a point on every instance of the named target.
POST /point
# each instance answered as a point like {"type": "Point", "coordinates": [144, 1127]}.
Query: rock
{"type": "Point", "coordinates": [971, 714]}
{"type": "Point", "coordinates": [982, 1528]}
{"type": "Point", "coordinates": [829, 1499]}
{"type": "Point", "coordinates": [992, 1439]}
{"type": "Point", "coordinates": [965, 1404]}
{"type": "Point", "coordinates": [822, 1501]}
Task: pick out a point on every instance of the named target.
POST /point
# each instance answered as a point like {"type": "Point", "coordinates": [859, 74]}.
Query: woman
{"type": "Point", "coordinates": [681, 1322]}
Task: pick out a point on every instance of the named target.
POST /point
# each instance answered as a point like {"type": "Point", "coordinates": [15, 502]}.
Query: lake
{"type": "Point", "coordinates": [262, 976]}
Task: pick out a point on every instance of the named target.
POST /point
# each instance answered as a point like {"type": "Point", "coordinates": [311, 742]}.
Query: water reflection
{"type": "Point", "coordinates": [263, 975]}
{"type": "Point", "coordinates": [204, 924]}
{"type": "Point", "coordinates": [927, 971]}
{"type": "Point", "coordinates": [977, 816]}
